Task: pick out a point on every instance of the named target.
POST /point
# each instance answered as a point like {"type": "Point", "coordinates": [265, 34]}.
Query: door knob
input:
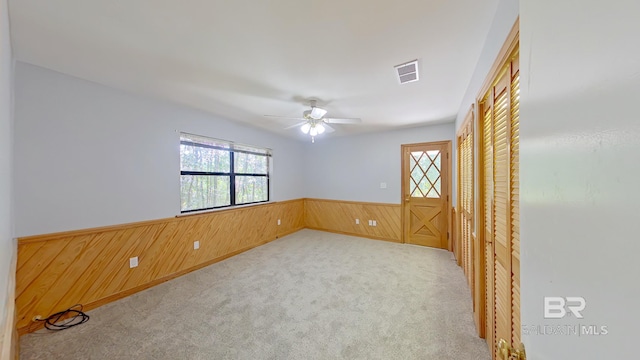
{"type": "Point", "coordinates": [506, 352]}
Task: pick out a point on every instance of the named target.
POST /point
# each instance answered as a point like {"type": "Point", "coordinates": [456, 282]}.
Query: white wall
{"type": "Point", "coordinates": [87, 155]}
{"type": "Point", "coordinates": [505, 17]}
{"type": "Point", "coordinates": [580, 169]}
{"type": "Point", "coordinates": [352, 168]}
{"type": "Point", "coordinates": [7, 245]}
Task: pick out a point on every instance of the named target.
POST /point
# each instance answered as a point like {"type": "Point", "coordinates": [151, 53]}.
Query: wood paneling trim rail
{"type": "Point", "coordinates": [52, 236]}
{"type": "Point", "coordinates": [364, 203]}
{"type": "Point", "coordinates": [91, 267]}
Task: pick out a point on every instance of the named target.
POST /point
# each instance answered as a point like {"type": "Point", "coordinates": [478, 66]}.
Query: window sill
{"type": "Point", "coordinates": [228, 208]}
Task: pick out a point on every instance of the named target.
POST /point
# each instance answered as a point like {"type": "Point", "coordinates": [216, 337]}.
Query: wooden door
{"type": "Point", "coordinates": [500, 204]}
{"type": "Point", "coordinates": [487, 221]}
{"type": "Point", "coordinates": [465, 197]}
{"type": "Point", "coordinates": [470, 254]}
{"type": "Point", "coordinates": [426, 183]}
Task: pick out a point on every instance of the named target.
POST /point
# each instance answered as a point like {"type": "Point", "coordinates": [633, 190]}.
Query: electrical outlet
{"type": "Point", "coordinates": [370, 222]}
{"type": "Point", "coordinates": [383, 185]}
{"type": "Point", "coordinates": [374, 223]}
{"type": "Point", "coordinates": [196, 245]}
{"type": "Point", "coordinates": [357, 221]}
{"type": "Point", "coordinates": [278, 221]}
{"type": "Point", "coordinates": [133, 262]}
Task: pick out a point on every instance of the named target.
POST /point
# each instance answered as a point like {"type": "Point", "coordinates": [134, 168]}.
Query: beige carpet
{"type": "Point", "coordinates": [310, 295]}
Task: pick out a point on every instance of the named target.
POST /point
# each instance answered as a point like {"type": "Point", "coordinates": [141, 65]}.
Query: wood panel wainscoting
{"type": "Point", "coordinates": [91, 267]}
{"type": "Point", "coordinates": [9, 344]}
{"type": "Point", "coordinates": [340, 217]}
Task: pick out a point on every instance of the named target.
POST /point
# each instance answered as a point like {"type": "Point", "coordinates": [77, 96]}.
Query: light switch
{"type": "Point", "coordinates": [133, 262]}
{"type": "Point", "coordinates": [196, 245]}
{"type": "Point", "coordinates": [383, 185]}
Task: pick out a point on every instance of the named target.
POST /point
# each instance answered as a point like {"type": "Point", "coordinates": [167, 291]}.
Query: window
{"type": "Point", "coordinates": [217, 173]}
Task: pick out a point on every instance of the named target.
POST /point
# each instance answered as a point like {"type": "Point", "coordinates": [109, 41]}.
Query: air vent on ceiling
{"type": "Point", "coordinates": [407, 72]}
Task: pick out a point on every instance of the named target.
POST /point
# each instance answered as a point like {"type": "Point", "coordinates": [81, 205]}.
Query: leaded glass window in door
{"type": "Point", "coordinates": [425, 174]}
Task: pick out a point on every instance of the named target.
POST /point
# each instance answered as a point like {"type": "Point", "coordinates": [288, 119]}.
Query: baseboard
{"type": "Point", "coordinates": [355, 234]}
{"type": "Point", "coordinates": [285, 233]}
{"type": "Point", "coordinates": [90, 306]}
{"type": "Point", "coordinates": [340, 217]}
{"type": "Point", "coordinates": [91, 266]}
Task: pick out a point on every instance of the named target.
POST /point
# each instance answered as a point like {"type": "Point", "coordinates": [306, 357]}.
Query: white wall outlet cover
{"type": "Point", "coordinates": [383, 185]}
{"type": "Point", "coordinates": [357, 221]}
{"type": "Point", "coordinates": [375, 223]}
{"type": "Point", "coordinates": [133, 262]}
{"type": "Point", "coordinates": [196, 245]}
{"type": "Point", "coordinates": [278, 221]}
{"type": "Point", "coordinates": [370, 222]}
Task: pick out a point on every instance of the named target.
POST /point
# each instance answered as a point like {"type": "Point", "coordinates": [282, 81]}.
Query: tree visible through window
{"type": "Point", "coordinates": [217, 173]}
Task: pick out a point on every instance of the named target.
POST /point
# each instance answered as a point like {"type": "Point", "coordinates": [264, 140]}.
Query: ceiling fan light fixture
{"type": "Point", "coordinates": [314, 123]}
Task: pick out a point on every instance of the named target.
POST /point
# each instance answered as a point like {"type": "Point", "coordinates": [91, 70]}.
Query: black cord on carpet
{"type": "Point", "coordinates": [73, 315]}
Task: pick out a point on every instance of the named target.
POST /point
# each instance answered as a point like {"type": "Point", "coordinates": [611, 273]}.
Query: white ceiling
{"type": "Point", "coordinates": [243, 59]}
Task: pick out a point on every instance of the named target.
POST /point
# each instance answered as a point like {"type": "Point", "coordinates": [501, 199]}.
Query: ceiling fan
{"type": "Point", "coordinates": [314, 123]}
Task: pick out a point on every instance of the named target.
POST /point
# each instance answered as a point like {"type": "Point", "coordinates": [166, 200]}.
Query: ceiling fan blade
{"type": "Point", "coordinates": [317, 113]}
{"type": "Point", "coordinates": [284, 117]}
{"type": "Point", "coordinates": [296, 125]}
{"type": "Point", "coordinates": [343, 120]}
{"type": "Point", "coordinates": [328, 129]}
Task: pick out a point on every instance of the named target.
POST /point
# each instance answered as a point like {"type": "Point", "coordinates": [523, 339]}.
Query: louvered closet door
{"type": "Point", "coordinates": [471, 255]}
{"type": "Point", "coordinates": [501, 233]}
{"type": "Point", "coordinates": [487, 218]}
{"type": "Point", "coordinates": [468, 206]}
{"type": "Point", "coordinates": [465, 199]}
{"type": "Point", "coordinates": [515, 198]}
{"type": "Point", "coordinates": [500, 140]}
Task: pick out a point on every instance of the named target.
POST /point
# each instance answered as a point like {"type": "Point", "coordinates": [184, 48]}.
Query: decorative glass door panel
{"type": "Point", "coordinates": [425, 176]}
